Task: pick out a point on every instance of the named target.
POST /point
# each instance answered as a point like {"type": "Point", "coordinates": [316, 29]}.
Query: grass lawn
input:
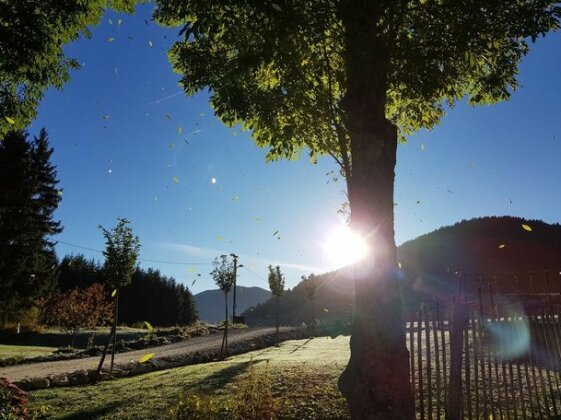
{"type": "Point", "coordinates": [300, 378]}
{"type": "Point", "coordinates": [24, 352]}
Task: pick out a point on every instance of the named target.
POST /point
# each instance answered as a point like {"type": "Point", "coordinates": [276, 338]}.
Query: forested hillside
{"type": "Point", "coordinates": [485, 246]}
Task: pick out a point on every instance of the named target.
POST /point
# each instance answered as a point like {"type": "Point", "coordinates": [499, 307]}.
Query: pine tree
{"type": "Point", "coordinates": [28, 199]}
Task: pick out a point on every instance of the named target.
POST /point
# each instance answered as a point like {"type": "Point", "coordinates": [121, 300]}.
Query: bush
{"type": "Point", "coordinates": [13, 401]}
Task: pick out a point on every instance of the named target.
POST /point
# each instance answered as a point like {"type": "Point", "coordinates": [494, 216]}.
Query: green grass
{"type": "Point", "coordinates": [24, 352]}
{"type": "Point", "coordinates": [302, 375]}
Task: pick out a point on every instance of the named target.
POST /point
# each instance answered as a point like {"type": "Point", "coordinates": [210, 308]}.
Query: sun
{"type": "Point", "coordinates": [344, 247]}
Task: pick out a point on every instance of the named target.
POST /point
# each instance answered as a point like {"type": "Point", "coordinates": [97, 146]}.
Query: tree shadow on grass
{"type": "Point", "coordinates": [94, 412]}
{"type": "Point", "coordinates": [218, 380]}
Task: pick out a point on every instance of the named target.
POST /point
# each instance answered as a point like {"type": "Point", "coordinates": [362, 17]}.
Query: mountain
{"type": "Point", "coordinates": [210, 303]}
{"type": "Point", "coordinates": [491, 253]}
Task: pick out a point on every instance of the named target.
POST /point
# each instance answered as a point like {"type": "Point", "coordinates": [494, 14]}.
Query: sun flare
{"type": "Point", "coordinates": [344, 247]}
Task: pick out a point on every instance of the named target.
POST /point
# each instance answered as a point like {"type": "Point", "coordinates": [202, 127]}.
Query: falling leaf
{"type": "Point", "coordinates": [179, 130]}
{"type": "Point", "coordinates": [202, 114]}
{"type": "Point", "coordinates": [110, 171]}
{"type": "Point", "coordinates": [110, 21]}
{"type": "Point", "coordinates": [325, 309]}
{"type": "Point", "coordinates": [155, 198]}
{"type": "Point", "coordinates": [175, 179]}
{"type": "Point", "coordinates": [11, 121]}
{"type": "Point", "coordinates": [114, 293]}
{"type": "Point", "coordinates": [105, 117]}
{"type": "Point", "coordinates": [150, 43]}
{"type": "Point", "coordinates": [149, 326]}
{"type": "Point", "coordinates": [119, 23]}
{"type": "Point", "coordinates": [191, 269]}
{"type": "Point", "coordinates": [111, 39]}
{"type": "Point", "coordinates": [171, 145]}
{"type": "Point", "coordinates": [220, 238]}
{"type": "Point", "coordinates": [145, 358]}
{"type": "Point", "coordinates": [257, 219]}
{"type": "Point", "coordinates": [168, 117]}
{"type": "Point", "coordinates": [399, 265]}
{"type": "Point", "coordinates": [213, 180]}
{"type": "Point", "coordinates": [276, 7]}
{"type": "Point", "coordinates": [526, 228]}
{"type": "Point", "coordinates": [276, 232]}
{"type": "Point", "coordinates": [422, 147]}
{"type": "Point", "coordinates": [116, 72]}
{"type": "Point", "coordinates": [235, 198]}
{"type": "Point", "coordinates": [193, 283]}
{"type": "Point", "coordinates": [501, 246]}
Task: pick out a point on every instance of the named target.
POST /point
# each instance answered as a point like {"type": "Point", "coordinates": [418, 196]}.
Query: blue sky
{"type": "Point", "coordinates": [128, 143]}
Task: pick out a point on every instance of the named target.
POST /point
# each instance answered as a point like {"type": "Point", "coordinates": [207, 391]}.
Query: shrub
{"type": "Point", "coordinates": [78, 309]}
{"type": "Point", "coordinates": [13, 401]}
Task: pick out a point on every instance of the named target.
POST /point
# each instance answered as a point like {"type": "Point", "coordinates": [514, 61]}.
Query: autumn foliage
{"type": "Point", "coordinates": [78, 309]}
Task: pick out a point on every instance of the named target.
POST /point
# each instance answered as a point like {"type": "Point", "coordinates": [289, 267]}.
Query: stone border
{"type": "Point", "coordinates": [85, 377]}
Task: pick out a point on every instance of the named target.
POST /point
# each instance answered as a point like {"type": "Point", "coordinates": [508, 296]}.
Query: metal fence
{"type": "Point", "coordinates": [465, 364]}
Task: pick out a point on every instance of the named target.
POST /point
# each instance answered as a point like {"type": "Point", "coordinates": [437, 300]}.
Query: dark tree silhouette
{"type": "Point", "coordinates": [276, 285]}
{"type": "Point", "coordinates": [28, 199]}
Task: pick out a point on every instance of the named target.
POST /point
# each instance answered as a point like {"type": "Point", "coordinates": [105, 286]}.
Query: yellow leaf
{"type": "Point", "coordinates": [526, 228]}
{"type": "Point", "coordinates": [149, 326]}
{"type": "Point", "coordinates": [220, 238]}
{"type": "Point", "coordinates": [179, 130]}
{"type": "Point", "coordinates": [114, 293]}
{"type": "Point", "coordinates": [10, 120]}
{"type": "Point", "coordinates": [146, 357]}
{"type": "Point", "coordinates": [501, 246]}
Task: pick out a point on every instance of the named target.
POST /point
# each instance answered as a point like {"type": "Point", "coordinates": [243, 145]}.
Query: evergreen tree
{"type": "Point", "coordinates": [28, 199]}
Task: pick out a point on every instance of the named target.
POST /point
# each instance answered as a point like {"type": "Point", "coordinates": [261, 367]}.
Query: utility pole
{"type": "Point", "coordinates": [235, 281]}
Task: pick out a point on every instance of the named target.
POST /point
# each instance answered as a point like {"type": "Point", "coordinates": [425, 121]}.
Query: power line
{"type": "Point", "coordinates": [139, 259]}
{"type": "Point", "coordinates": [254, 273]}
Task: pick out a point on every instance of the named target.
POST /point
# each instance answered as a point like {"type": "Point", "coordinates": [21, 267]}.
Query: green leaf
{"type": "Point", "coordinates": [11, 121]}
{"type": "Point", "coordinates": [149, 326]}
{"type": "Point", "coordinates": [526, 228]}
{"type": "Point", "coordinates": [235, 198]}
{"type": "Point", "coordinates": [146, 357]}
{"type": "Point", "coordinates": [111, 39]}
{"type": "Point", "coordinates": [176, 179]}
{"type": "Point", "coordinates": [220, 238]}
{"type": "Point", "coordinates": [114, 293]}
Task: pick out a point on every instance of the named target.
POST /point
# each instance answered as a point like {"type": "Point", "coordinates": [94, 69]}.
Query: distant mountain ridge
{"type": "Point", "coordinates": [484, 246]}
{"type": "Point", "coordinates": [210, 303]}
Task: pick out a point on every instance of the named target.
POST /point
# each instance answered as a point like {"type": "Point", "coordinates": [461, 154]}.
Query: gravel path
{"type": "Point", "coordinates": [182, 348]}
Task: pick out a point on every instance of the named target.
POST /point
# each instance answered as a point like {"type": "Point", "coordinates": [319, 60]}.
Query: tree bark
{"type": "Point", "coordinates": [376, 381]}
{"type": "Point", "coordinates": [115, 318]}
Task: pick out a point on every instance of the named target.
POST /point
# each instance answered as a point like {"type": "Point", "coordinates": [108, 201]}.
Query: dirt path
{"type": "Point", "coordinates": [182, 348]}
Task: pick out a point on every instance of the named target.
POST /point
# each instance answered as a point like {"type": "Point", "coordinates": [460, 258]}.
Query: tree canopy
{"type": "Point", "coordinates": [277, 68]}
{"type": "Point", "coordinates": [32, 36]}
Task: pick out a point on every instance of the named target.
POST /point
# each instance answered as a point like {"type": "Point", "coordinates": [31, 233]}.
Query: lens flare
{"type": "Point", "coordinates": [344, 247]}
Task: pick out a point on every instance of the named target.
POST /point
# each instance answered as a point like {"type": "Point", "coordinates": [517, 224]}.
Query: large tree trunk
{"type": "Point", "coordinates": [376, 380]}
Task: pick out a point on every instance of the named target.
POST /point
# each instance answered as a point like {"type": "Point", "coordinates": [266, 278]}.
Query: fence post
{"type": "Point", "coordinates": [457, 325]}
